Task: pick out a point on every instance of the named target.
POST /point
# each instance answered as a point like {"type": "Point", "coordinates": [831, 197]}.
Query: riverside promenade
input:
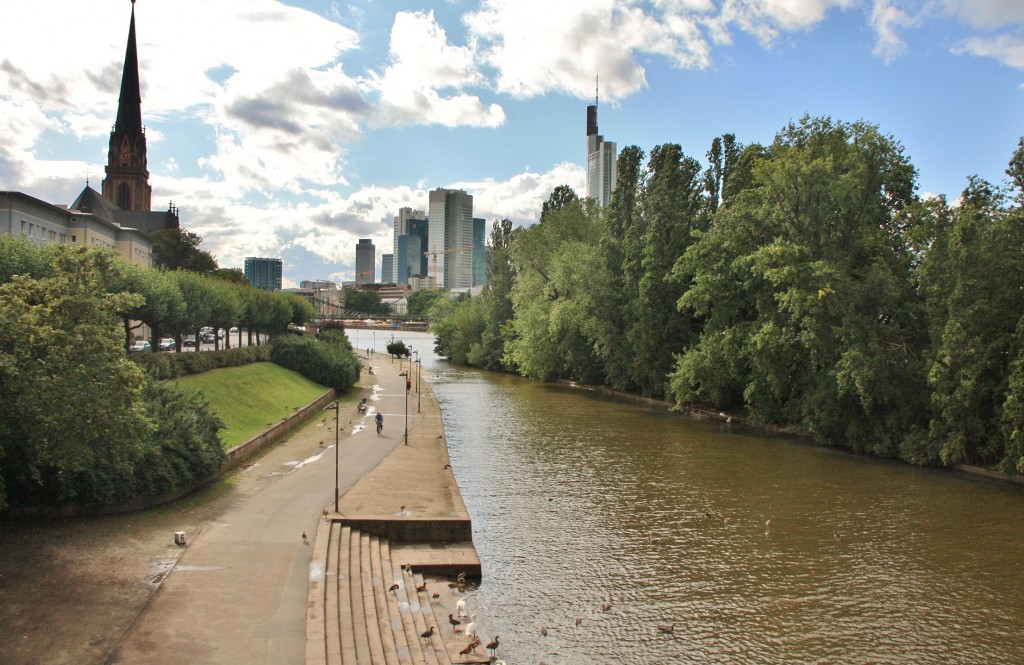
{"type": "Point", "coordinates": [385, 567]}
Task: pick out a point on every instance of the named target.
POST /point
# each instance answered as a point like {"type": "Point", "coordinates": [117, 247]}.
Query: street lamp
{"type": "Point", "coordinates": [419, 371]}
{"type": "Point", "coordinates": [337, 419]}
{"type": "Point", "coordinates": [408, 384]}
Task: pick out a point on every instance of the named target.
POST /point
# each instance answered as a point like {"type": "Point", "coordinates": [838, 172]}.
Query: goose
{"type": "Point", "coordinates": [470, 648]}
{"type": "Point", "coordinates": [394, 587]}
{"type": "Point", "coordinates": [304, 540]}
{"type": "Point", "coordinates": [543, 631]}
{"type": "Point", "coordinates": [607, 606]}
{"type": "Point", "coordinates": [666, 628]}
{"type": "Point", "coordinates": [454, 622]}
{"type": "Point", "coordinates": [428, 633]}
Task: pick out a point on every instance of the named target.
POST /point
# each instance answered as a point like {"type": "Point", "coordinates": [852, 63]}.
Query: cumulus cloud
{"type": "Point", "coordinates": [987, 14]}
{"type": "Point", "coordinates": [426, 78]}
{"type": "Point", "coordinates": [1007, 49]}
{"type": "Point", "coordinates": [887, 19]}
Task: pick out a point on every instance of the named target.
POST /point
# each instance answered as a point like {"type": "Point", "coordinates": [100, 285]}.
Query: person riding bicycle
{"type": "Point", "coordinates": [380, 422]}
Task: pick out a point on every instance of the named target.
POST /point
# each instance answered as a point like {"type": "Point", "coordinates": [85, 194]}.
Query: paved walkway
{"type": "Point", "coordinates": [240, 593]}
{"type": "Point", "coordinates": [386, 564]}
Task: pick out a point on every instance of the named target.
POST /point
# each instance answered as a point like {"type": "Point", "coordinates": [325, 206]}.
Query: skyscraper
{"type": "Point", "coordinates": [479, 251]}
{"type": "Point", "coordinates": [387, 269]}
{"type": "Point", "coordinates": [366, 257]}
{"type": "Point", "coordinates": [450, 238]}
{"type": "Point", "coordinates": [602, 169]}
{"type": "Point", "coordinates": [263, 273]}
{"type": "Point", "coordinates": [407, 259]}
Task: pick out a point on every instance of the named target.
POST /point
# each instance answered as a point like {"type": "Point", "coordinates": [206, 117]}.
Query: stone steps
{"type": "Point", "coordinates": [364, 622]}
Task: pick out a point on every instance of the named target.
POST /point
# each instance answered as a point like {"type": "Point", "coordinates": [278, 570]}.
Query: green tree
{"type": "Point", "coordinates": [804, 285]}
{"type": "Point", "coordinates": [365, 302]}
{"type": "Point", "coordinates": [420, 302]}
{"type": "Point", "coordinates": [178, 249]}
{"type": "Point", "coordinates": [60, 337]}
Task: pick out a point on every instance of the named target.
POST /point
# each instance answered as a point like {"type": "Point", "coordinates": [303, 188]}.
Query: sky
{"type": "Point", "coordinates": [292, 129]}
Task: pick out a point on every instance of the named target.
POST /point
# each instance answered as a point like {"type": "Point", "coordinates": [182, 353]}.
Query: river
{"type": "Point", "coordinates": [598, 521]}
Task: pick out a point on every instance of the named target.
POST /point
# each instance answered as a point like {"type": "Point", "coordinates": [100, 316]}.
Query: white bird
{"type": "Point", "coordinates": [461, 607]}
{"type": "Point", "coordinates": [471, 627]}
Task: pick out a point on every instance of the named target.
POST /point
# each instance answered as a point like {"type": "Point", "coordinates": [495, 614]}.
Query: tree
{"type": "Point", "coordinates": [365, 302]}
{"type": "Point", "coordinates": [71, 421]}
{"type": "Point", "coordinates": [178, 249]}
{"type": "Point", "coordinates": [420, 302]}
{"type": "Point", "coordinates": [803, 282]}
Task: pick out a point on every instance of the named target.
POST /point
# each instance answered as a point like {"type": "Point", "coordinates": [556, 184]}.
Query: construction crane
{"type": "Point", "coordinates": [434, 254]}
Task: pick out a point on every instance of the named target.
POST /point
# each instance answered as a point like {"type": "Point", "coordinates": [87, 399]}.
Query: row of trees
{"type": "Point", "coordinates": [79, 421]}
{"type": "Point", "coordinates": [805, 283]}
{"type": "Point", "coordinates": [181, 302]}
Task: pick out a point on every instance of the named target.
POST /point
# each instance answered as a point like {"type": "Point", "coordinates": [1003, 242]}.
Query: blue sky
{"type": "Point", "coordinates": [294, 129]}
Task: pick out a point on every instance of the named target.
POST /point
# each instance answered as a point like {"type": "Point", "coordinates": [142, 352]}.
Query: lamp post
{"type": "Point", "coordinates": [419, 370]}
{"type": "Point", "coordinates": [337, 419]}
{"type": "Point", "coordinates": [407, 382]}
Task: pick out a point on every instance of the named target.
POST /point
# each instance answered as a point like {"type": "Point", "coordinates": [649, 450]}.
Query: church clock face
{"type": "Point", "coordinates": [125, 155]}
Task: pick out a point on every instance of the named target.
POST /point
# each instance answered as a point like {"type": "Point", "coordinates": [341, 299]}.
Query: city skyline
{"type": "Point", "coordinates": [314, 126]}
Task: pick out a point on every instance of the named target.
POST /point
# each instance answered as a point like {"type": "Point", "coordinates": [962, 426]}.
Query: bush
{"type": "Point", "coordinates": [329, 361]}
{"type": "Point", "coordinates": [165, 366]}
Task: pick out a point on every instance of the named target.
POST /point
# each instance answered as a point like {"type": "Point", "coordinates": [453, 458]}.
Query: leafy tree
{"type": "Point", "coordinates": [161, 301]}
{"type": "Point", "coordinates": [231, 275]}
{"type": "Point", "coordinates": [398, 348]}
{"type": "Point", "coordinates": [496, 302]}
{"type": "Point", "coordinates": [178, 249]}
{"type": "Point", "coordinates": [365, 302]}
{"type": "Point", "coordinates": [420, 302]}
{"type": "Point", "coordinates": [60, 337]}
{"type": "Point", "coordinates": [803, 282]}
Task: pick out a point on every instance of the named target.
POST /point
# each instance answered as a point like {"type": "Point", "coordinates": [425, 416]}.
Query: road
{"type": "Point", "coordinates": [239, 592]}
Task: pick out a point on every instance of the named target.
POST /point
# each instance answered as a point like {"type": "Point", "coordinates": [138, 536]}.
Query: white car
{"type": "Point", "coordinates": [166, 344]}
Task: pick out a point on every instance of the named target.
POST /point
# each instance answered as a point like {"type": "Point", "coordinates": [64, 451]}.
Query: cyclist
{"type": "Point", "coordinates": [380, 422]}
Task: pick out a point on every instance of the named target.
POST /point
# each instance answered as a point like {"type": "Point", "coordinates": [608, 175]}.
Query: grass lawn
{"type": "Point", "coordinates": [251, 397]}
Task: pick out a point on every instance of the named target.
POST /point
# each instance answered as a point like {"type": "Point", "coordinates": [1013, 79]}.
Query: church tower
{"type": "Point", "coordinates": [127, 182]}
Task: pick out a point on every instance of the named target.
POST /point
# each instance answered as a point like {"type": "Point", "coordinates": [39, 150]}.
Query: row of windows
{"type": "Point", "coordinates": [40, 232]}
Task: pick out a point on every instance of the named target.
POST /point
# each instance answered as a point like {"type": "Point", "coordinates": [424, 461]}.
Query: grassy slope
{"type": "Point", "coordinates": [251, 397]}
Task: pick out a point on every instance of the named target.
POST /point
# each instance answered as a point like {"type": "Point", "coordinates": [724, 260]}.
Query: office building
{"type": "Point", "coordinates": [387, 269]}
{"type": "Point", "coordinates": [401, 228]}
{"type": "Point", "coordinates": [366, 261]}
{"type": "Point", "coordinates": [263, 273]}
{"type": "Point", "coordinates": [602, 167]}
{"type": "Point", "coordinates": [450, 239]}
{"type": "Point", "coordinates": [479, 249]}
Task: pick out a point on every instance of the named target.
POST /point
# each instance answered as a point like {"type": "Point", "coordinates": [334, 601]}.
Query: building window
{"type": "Point", "coordinates": [124, 196]}
{"type": "Point", "coordinates": [74, 238]}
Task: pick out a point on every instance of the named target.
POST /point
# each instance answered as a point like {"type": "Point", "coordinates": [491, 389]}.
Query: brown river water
{"type": "Point", "coordinates": [598, 521]}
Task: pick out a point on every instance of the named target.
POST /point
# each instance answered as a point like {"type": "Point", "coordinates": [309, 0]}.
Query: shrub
{"type": "Point", "coordinates": [330, 361]}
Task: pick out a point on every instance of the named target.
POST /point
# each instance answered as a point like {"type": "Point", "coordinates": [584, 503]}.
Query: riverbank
{"type": "Point", "coordinates": [742, 419]}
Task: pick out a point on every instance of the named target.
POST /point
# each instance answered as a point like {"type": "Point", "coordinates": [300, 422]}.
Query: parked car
{"type": "Point", "coordinates": [207, 337]}
{"type": "Point", "coordinates": [140, 346]}
{"type": "Point", "coordinates": [188, 340]}
{"type": "Point", "coordinates": [167, 344]}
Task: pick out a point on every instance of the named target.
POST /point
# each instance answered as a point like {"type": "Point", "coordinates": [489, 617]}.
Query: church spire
{"type": "Point", "coordinates": [127, 182]}
{"type": "Point", "coordinates": [129, 105]}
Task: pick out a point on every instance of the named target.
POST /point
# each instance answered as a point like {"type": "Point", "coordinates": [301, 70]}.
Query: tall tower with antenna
{"type": "Point", "coordinates": [602, 169]}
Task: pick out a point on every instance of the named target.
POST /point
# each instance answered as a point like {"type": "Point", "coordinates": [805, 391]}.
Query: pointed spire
{"type": "Point", "coordinates": [129, 105]}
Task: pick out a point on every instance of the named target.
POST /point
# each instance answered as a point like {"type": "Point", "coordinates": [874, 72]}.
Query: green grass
{"type": "Point", "coordinates": [250, 398]}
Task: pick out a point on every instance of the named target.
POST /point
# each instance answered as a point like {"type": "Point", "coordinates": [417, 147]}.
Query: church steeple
{"type": "Point", "coordinates": [129, 104]}
{"type": "Point", "coordinates": [127, 181]}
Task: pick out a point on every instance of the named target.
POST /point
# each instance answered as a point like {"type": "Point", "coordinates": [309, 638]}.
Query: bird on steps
{"type": "Point", "coordinates": [304, 539]}
{"type": "Point", "coordinates": [422, 587]}
{"type": "Point", "coordinates": [471, 627]}
{"type": "Point", "coordinates": [394, 587]}
{"type": "Point", "coordinates": [607, 606]}
{"type": "Point", "coordinates": [470, 648]}
{"type": "Point", "coordinates": [493, 645]}
{"type": "Point", "coordinates": [461, 607]}
{"type": "Point", "coordinates": [454, 622]}
{"type": "Point", "coordinates": [428, 633]}
{"type": "Point", "coordinates": [543, 631]}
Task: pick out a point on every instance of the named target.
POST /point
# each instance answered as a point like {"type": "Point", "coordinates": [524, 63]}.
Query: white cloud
{"type": "Point", "coordinates": [422, 64]}
{"type": "Point", "coordinates": [887, 19]}
{"type": "Point", "coordinates": [988, 14]}
{"type": "Point", "coordinates": [1007, 49]}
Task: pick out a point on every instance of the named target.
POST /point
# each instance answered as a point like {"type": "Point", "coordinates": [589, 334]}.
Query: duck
{"type": "Point", "coordinates": [394, 587]}
{"type": "Point", "coordinates": [428, 633]}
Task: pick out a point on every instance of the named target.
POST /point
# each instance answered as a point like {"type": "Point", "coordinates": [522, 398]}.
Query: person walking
{"type": "Point", "coordinates": [380, 422]}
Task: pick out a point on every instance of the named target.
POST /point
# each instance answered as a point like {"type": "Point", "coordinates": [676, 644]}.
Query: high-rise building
{"type": "Point", "coordinates": [263, 273]}
{"type": "Point", "coordinates": [366, 258]}
{"type": "Point", "coordinates": [387, 269]}
{"type": "Point", "coordinates": [450, 238]}
{"type": "Point", "coordinates": [602, 169]}
{"type": "Point", "coordinates": [479, 256]}
{"type": "Point", "coordinates": [401, 228]}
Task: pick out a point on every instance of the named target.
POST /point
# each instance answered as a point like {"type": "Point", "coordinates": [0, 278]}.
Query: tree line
{"type": "Point", "coordinates": [80, 422]}
{"type": "Point", "coordinates": [805, 283]}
